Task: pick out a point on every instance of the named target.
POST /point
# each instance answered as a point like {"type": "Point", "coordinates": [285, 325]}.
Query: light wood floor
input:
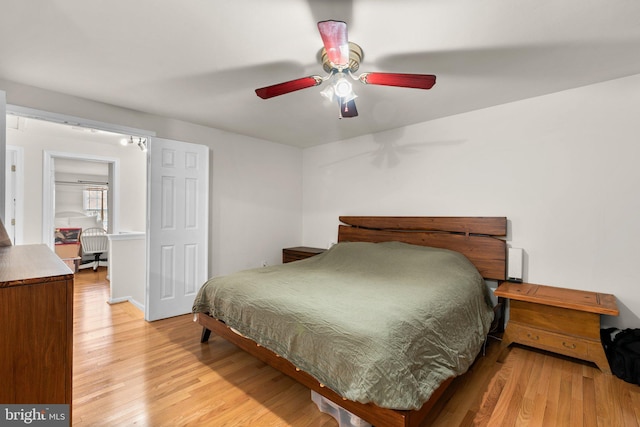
{"type": "Point", "coordinates": [131, 373]}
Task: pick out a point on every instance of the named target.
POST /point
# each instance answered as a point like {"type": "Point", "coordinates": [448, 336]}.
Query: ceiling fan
{"type": "Point", "coordinates": [340, 59]}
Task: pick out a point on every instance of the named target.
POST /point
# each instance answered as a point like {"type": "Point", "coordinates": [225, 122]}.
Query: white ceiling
{"type": "Point", "coordinates": [200, 61]}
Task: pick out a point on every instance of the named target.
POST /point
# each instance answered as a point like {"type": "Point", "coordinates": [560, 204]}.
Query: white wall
{"type": "Point", "coordinates": [127, 268]}
{"type": "Point", "coordinates": [255, 186]}
{"type": "Point", "coordinates": [563, 168]}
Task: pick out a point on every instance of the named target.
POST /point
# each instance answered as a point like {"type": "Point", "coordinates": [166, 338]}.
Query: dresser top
{"type": "Point", "coordinates": [593, 302]}
{"type": "Point", "coordinates": [26, 264]}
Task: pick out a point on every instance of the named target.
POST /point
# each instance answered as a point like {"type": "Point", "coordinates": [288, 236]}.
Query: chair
{"type": "Point", "coordinates": [94, 241]}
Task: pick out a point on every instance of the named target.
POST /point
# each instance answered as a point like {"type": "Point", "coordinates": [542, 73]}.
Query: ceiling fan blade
{"type": "Point", "coordinates": [416, 81]}
{"type": "Point", "coordinates": [335, 40]}
{"type": "Point", "coordinates": [348, 109]}
{"type": "Point", "coordinates": [287, 87]}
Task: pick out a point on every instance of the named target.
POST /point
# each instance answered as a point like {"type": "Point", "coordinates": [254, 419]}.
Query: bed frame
{"type": "Point", "coordinates": [478, 238]}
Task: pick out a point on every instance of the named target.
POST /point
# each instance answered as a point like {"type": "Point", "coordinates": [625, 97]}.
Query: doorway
{"type": "Point", "coordinates": [44, 138]}
{"type": "Point", "coordinates": [185, 158]}
{"type": "Point", "coordinates": [79, 157]}
{"type": "Point", "coordinates": [69, 182]}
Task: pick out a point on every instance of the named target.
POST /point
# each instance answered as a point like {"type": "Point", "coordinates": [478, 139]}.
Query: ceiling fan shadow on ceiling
{"type": "Point", "coordinates": [341, 59]}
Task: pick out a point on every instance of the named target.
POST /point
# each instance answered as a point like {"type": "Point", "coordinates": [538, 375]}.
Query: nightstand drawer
{"type": "Point", "coordinates": [558, 343]}
{"type": "Point", "coordinates": [556, 319]}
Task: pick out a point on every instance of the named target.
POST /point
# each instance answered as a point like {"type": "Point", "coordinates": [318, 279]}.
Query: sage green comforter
{"type": "Point", "coordinates": [385, 323]}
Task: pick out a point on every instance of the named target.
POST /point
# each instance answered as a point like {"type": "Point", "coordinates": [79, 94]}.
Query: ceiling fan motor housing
{"type": "Point", "coordinates": [355, 57]}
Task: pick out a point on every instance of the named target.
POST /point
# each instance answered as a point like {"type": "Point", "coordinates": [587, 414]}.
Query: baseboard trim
{"type": "Point", "coordinates": [125, 299]}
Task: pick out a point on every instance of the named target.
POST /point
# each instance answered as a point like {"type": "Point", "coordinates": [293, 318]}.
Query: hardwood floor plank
{"type": "Point", "coordinates": [577, 402]}
{"type": "Point", "coordinates": [563, 416]}
{"type": "Point", "coordinates": [492, 396]}
{"type": "Point", "coordinates": [508, 409]}
{"type": "Point", "coordinates": [128, 372]}
{"type": "Point", "coordinates": [590, 418]}
{"type": "Point", "coordinates": [524, 381]}
{"type": "Point", "coordinates": [553, 393]}
{"type": "Point", "coordinates": [634, 402]}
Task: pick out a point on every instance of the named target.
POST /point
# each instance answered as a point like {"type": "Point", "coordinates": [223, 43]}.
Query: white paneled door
{"type": "Point", "coordinates": [177, 236]}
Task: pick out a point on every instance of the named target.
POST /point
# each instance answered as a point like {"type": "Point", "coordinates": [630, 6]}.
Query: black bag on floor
{"type": "Point", "coordinates": [622, 348]}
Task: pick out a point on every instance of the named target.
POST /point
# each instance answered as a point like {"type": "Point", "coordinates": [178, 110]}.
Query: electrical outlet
{"type": "Point", "coordinates": [264, 263]}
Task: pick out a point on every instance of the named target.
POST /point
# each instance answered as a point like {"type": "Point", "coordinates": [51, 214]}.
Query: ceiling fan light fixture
{"type": "Point", "coordinates": [328, 93]}
{"type": "Point", "coordinates": [342, 87]}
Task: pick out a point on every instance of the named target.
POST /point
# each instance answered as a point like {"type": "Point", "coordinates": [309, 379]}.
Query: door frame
{"type": "Point", "coordinates": [3, 150]}
{"type": "Point", "coordinates": [32, 113]}
{"type": "Point", "coordinates": [48, 189]}
{"type": "Point", "coordinates": [18, 182]}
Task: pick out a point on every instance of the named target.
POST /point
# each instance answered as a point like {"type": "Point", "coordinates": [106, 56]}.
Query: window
{"type": "Point", "coordinates": [95, 204]}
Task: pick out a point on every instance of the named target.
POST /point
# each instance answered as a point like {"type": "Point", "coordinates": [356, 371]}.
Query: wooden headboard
{"type": "Point", "coordinates": [478, 238]}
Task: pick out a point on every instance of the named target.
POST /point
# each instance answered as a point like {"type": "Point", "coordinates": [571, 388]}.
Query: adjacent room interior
{"type": "Point", "coordinates": [74, 191]}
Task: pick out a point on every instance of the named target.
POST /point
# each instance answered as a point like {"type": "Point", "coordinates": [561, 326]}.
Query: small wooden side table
{"type": "Point", "coordinates": [299, 252]}
{"type": "Point", "coordinates": [564, 321]}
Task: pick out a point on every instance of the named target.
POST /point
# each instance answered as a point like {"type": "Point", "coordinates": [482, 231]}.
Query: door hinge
{"type": "Point", "coordinates": [13, 221]}
{"type": "Point", "coordinates": [13, 168]}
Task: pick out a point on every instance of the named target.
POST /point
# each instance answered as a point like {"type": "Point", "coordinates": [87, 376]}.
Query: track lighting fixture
{"type": "Point", "coordinates": [139, 141]}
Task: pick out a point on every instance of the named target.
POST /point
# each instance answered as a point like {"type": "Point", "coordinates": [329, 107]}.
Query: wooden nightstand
{"type": "Point", "coordinates": [299, 252]}
{"type": "Point", "coordinates": [564, 321]}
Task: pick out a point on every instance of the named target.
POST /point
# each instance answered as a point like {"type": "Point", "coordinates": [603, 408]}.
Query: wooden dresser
{"type": "Point", "coordinates": [36, 319]}
{"type": "Point", "coordinates": [561, 320]}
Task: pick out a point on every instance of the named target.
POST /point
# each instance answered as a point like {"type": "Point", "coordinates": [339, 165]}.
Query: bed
{"type": "Point", "coordinates": [380, 323]}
